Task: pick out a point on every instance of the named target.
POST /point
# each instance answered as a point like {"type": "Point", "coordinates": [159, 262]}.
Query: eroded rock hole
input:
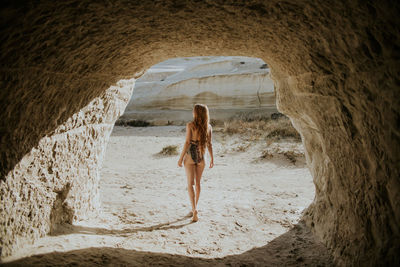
{"type": "Point", "coordinates": [58, 59]}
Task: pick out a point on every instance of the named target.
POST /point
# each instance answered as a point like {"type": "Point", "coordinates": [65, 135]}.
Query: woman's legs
{"type": "Point", "coordinates": [193, 172]}
{"type": "Point", "coordinates": [190, 173]}
{"type": "Point", "coordinates": [198, 173]}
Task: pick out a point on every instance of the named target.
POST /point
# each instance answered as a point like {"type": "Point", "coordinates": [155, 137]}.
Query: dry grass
{"type": "Point", "coordinates": [242, 148]}
{"type": "Point", "coordinates": [256, 128]}
{"type": "Point", "coordinates": [291, 154]}
{"type": "Point", "coordinates": [169, 151]}
{"type": "Point", "coordinates": [132, 123]}
{"type": "Point", "coordinates": [266, 155]}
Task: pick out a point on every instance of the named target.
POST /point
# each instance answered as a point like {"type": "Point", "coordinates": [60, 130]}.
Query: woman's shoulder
{"type": "Point", "coordinates": [190, 125]}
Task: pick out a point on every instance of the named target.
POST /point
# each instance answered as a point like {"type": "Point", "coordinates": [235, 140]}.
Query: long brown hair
{"type": "Point", "coordinates": [201, 120]}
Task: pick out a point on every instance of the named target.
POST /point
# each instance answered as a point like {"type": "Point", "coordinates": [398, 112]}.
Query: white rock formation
{"type": "Point", "coordinates": [219, 82]}
{"type": "Point", "coordinates": [222, 83]}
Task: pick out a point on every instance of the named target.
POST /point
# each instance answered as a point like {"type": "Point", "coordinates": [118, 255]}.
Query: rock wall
{"type": "Point", "coordinates": [335, 64]}
{"type": "Point", "coordinates": [356, 202]}
{"type": "Point", "coordinates": [43, 191]}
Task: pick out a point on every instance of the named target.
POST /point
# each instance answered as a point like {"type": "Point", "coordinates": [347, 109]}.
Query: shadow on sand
{"type": "Point", "coordinates": [77, 229]}
{"type": "Point", "coordinates": [297, 247]}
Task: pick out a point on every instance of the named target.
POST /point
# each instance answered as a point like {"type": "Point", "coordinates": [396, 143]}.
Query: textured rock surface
{"type": "Point", "coordinates": [57, 181]}
{"type": "Point", "coordinates": [218, 82]}
{"type": "Point", "coordinates": [336, 67]}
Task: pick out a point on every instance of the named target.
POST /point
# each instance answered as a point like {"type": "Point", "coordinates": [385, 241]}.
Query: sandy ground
{"type": "Point", "coordinates": [245, 203]}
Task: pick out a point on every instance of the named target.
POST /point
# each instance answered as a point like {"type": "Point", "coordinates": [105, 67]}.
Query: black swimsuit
{"type": "Point", "coordinates": [194, 150]}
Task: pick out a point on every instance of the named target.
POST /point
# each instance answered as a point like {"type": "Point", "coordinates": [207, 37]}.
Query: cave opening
{"type": "Point", "coordinates": [258, 188]}
{"type": "Point", "coordinates": [256, 191]}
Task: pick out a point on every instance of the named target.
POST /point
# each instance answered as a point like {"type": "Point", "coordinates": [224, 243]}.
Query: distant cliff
{"type": "Point", "coordinates": [228, 84]}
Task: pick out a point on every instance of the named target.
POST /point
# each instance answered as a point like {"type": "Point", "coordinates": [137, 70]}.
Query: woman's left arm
{"type": "Point", "coordinates": [210, 148]}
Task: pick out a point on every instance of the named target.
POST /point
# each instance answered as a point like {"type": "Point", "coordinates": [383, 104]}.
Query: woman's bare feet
{"type": "Point", "coordinates": [195, 218]}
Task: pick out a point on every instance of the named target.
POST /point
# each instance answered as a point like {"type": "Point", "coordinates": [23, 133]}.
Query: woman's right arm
{"type": "Point", "coordinates": [186, 145]}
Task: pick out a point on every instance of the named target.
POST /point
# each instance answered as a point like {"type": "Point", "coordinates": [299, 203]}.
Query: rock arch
{"type": "Point", "coordinates": [336, 68]}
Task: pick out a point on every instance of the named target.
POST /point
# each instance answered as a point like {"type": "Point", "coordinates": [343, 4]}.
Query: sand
{"type": "Point", "coordinates": [245, 203]}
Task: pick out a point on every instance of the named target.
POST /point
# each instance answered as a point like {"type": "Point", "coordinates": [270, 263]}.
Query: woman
{"type": "Point", "coordinates": [198, 137]}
